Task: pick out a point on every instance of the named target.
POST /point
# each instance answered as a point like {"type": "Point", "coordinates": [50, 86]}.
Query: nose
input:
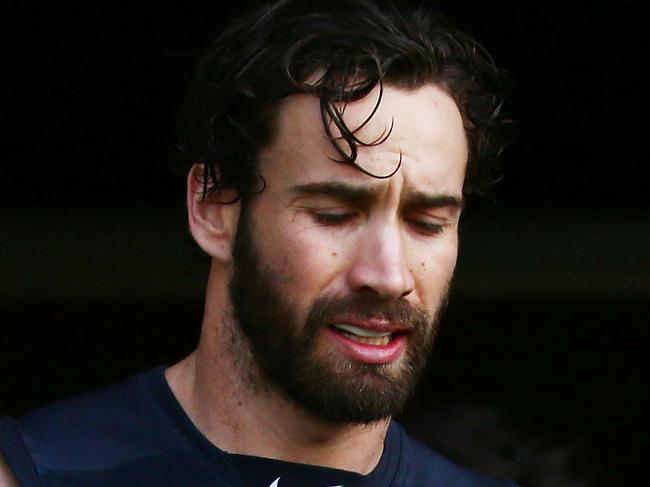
{"type": "Point", "coordinates": [380, 263]}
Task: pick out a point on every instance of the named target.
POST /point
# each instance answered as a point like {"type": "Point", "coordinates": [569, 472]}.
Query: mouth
{"type": "Point", "coordinates": [372, 344]}
{"type": "Point", "coordinates": [363, 335]}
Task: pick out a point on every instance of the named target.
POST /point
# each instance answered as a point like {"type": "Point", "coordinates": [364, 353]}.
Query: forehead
{"type": "Point", "coordinates": [425, 132]}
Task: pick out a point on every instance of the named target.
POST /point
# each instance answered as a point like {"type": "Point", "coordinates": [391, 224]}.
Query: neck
{"type": "Point", "coordinates": [238, 414]}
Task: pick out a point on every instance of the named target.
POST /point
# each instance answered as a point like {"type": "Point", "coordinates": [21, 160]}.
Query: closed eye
{"type": "Point", "coordinates": [326, 218]}
{"type": "Point", "coordinates": [427, 227]}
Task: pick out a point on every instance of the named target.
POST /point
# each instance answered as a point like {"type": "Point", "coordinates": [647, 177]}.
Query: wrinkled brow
{"type": "Point", "coordinates": [421, 200]}
{"type": "Point", "coordinates": [360, 194]}
{"type": "Point", "coordinates": [349, 193]}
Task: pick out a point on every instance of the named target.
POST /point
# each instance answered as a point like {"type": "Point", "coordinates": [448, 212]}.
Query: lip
{"type": "Point", "coordinates": [374, 324]}
{"type": "Point", "coordinates": [366, 353]}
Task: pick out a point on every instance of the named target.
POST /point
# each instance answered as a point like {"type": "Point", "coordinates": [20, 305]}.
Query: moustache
{"type": "Point", "coordinates": [401, 312]}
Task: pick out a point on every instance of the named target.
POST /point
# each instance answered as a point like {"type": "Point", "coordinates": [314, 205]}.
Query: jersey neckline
{"type": "Point", "coordinates": [189, 436]}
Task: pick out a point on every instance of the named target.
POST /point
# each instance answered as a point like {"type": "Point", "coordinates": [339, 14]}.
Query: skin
{"type": "Point", "coordinates": [397, 238]}
{"type": "Point", "coordinates": [7, 478]}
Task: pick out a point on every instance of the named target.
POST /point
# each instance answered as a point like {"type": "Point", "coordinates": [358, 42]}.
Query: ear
{"type": "Point", "coordinates": [212, 220]}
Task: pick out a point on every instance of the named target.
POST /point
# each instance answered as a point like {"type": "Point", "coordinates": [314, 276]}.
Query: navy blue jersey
{"type": "Point", "coordinates": [136, 434]}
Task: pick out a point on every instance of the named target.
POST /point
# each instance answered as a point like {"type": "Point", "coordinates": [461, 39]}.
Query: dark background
{"type": "Point", "coordinates": [548, 322]}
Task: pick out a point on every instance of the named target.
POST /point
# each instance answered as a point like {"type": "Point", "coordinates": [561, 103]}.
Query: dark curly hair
{"type": "Point", "coordinates": [339, 51]}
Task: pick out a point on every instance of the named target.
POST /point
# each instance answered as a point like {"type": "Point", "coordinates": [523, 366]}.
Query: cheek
{"type": "Point", "coordinates": [308, 265]}
{"type": "Point", "coordinates": [433, 271]}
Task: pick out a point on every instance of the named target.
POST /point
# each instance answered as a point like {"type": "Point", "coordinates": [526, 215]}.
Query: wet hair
{"type": "Point", "coordinates": [338, 51]}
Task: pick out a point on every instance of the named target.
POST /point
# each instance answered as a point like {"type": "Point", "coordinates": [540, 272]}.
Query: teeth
{"type": "Point", "coordinates": [364, 335]}
{"type": "Point", "coordinates": [367, 340]}
{"type": "Point", "coordinates": [361, 332]}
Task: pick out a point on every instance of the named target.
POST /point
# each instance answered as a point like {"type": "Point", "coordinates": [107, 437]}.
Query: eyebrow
{"type": "Point", "coordinates": [358, 195]}
{"type": "Point", "coordinates": [421, 200]}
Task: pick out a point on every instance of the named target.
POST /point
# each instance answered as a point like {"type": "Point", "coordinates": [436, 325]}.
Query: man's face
{"type": "Point", "coordinates": [340, 277]}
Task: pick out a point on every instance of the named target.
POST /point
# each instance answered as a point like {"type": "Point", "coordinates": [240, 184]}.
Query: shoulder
{"type": "Point", "coordinates": [423, 466]}
{"type": "Point", "coordinates": [90, 431]}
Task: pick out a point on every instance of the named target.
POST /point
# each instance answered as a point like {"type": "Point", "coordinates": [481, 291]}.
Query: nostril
{"type": "Point", "coordinates": [407, 292]}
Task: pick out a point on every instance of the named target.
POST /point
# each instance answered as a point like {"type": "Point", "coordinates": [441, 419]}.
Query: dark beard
{"type": "Point", "coordinates": [286, 353]}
